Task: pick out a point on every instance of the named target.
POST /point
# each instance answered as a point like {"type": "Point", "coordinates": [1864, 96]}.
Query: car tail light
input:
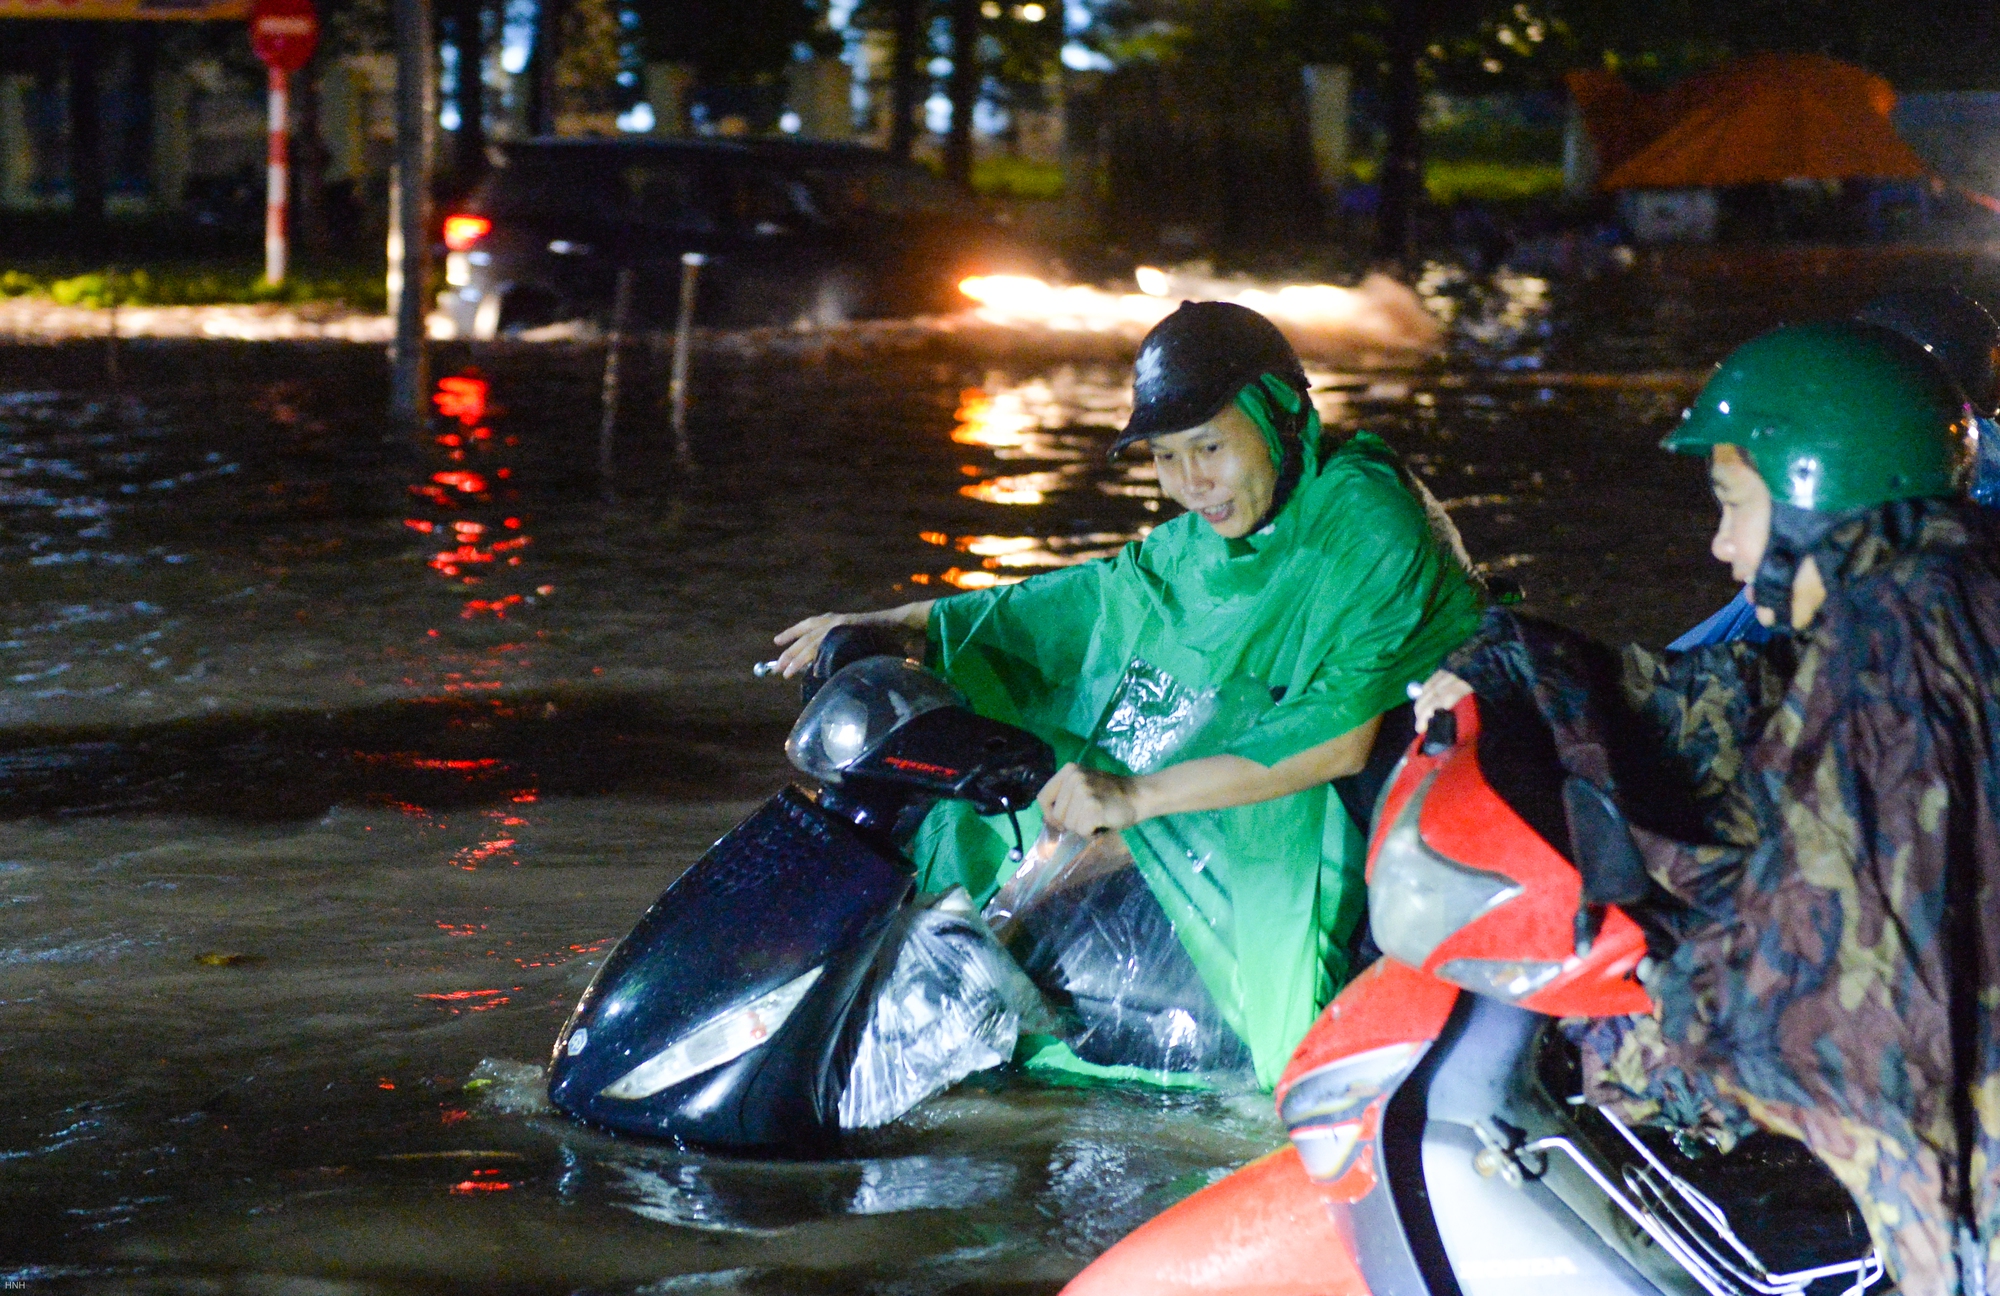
{"type": "Point", "coordinates": [722, 1039]}
{"type": "Point", "coordinates": [1416, 897]}
{"type": "Point", "coordinates": [461, 232]}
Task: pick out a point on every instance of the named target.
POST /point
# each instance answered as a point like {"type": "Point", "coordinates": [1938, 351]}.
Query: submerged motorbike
{"type": "Point", "coordinates": [1439, 1139]}
{"type": "Point", "coordinates": [792, 984]}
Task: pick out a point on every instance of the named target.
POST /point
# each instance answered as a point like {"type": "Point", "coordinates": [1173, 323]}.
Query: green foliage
{"type": "Point", "coordinates": [196, 285]}
{"type": "Point", "coordinates": [1449, 180]}
{"type": "Point", "coordinates": [1001, 176]}
{"type": "Point", "coordinates": [587, 67]}
{"type": "Point", "coordinates": [1020, 57]}
{"type": "Point", "coordinates": [741, 41]}
{"type": "Point", "coordinates": [1944, 44]}
{"type": "Point", "coordinates": [1507, 45]}
{"type": "Point", "coordinates": [1488, 130]}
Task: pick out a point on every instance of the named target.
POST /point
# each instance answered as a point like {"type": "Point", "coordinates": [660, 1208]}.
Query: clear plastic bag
{"type": "Point", "coordinates": [1085, 924]}
{"type": "Point", "coordinates": [1056, 859]}
{"type": "Point", "coordinates": [951, 1002]}
{"type": "Point", "coordinates": [1086, 928]}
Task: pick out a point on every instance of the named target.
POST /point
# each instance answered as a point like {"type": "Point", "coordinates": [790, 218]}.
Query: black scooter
{"type": "Point", "coordinates": [790, 984]}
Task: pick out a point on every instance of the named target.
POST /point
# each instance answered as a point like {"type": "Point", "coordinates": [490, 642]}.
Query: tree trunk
{"type": "Point", "coordinates": [542, 60]}
{"type": "Point", "coordinates": [1402, 177]}
{"type": "Point", "coordinates": [310, 226]}
{"type": "Point", "coordinates": [144, 42]}
{"type": "Point", "coordinates": [964, 91]}
{"type": "Point", "coordinates": [469, 37]}
{"type": "Point", "coordinates": [906, 57]}
{"type": "Point", "coordinates": [86, 125]}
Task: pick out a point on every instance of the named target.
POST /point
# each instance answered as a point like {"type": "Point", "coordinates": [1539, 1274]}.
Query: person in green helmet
{"type": "Point", "coordinates": [1202, 688]}
{"type": "Point", "coordinates": [1822, 812]}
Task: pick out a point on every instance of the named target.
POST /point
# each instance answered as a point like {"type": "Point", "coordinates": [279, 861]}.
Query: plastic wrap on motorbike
{"type": "Point", "coordinates": [947, 1001]}
{"type": "Point", "coordinates": [1122, 985]}
{"type": "Point", "coordinates": [789, 891]}
{"type": "Point", "coordinates": [1083, 921]}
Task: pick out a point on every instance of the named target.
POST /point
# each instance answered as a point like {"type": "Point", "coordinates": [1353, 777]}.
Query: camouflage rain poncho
{"type": "Point", "coordinates": [1826, 809]}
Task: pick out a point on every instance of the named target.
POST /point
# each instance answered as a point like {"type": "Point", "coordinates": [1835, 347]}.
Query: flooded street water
{"type": "Point", "coordinates": [332, 761]}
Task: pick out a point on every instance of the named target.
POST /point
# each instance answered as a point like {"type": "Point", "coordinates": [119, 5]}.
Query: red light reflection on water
{"type": "Point", "coordinates": [573, 951]}
{"type": "Point", "coordinates": [463, 396]}
{"type": "Point", "coordinates": [468, 501]}
{"type": "Point", "coordinates": [462, 497]}
{"type": "Point", "coordinates": [457, 1001]}
{"type": "Point", "coordinates": [471, 857]}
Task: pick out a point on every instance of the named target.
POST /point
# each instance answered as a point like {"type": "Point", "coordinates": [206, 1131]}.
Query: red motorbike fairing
{"type": "Point", "coordinates": [1263, 1231]}
{"type": "Point", "coordinates": [1268, 1228]}
{"type": "Point", "coordinates": [1528, 940]}
{"type": "Point", "coordinates": [1387, 1004]}
{"type": "Point", "coordinates": [1284, 1225]}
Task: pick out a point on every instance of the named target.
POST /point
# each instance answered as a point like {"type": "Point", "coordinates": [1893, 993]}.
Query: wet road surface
{"type": "Point", "coordinates": [333, 760]}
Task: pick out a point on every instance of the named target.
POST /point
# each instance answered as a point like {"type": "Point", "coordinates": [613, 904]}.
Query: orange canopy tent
{"type": "Point", "coordinates": [1765, 118]}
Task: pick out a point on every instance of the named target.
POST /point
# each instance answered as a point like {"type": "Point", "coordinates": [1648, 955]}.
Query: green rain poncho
{"type": "Point", "coordinates": [1188, 645]}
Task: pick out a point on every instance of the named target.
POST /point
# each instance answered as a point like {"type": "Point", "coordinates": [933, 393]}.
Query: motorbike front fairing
{"type": "Point", "coordinates": [742, 1013]}
{"type": "Point", "coordinates": [1439, 1140]}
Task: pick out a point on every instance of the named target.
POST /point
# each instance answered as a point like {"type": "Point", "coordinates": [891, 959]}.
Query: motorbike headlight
{"type": "Point", "coordinates": [719, 1040]}
{"type": "Point", "coordinates": [1417, 897]}
{"type": "Point", "coordinates": [1509, 980]}
{"type": "Point", "coordinates": [1326, 1112]}
{"type": "Point", "coordinates": [858, 709]}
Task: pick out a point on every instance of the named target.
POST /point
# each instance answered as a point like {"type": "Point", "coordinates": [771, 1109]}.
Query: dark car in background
{"type": "Point", "coordinates": [792, 232]}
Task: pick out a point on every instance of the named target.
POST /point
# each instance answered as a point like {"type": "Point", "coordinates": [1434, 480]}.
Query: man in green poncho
{"type": "Point", "coordinates": [1206, 684]}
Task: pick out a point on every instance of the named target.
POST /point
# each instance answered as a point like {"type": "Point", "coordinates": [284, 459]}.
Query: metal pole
{"type": "Point", "coordinates": [280, 166]}
{"type": "Point", "coordinates": [677, 386]}
{"type": "Point", "coordinates": [410, 232]}
{"type": "Point", "coordinates": [621, 314]}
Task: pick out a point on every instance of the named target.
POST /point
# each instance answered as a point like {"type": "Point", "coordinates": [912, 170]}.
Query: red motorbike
{"type": "Point", "coordinates": [1440, 1142]}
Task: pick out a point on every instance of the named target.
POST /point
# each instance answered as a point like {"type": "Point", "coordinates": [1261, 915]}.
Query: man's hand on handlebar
{"type": "Point", "coordinates": [1441, 692]}
{"type": "Point", "coordinates": [1086, 801]}
{"type": "Point", "coordinates": [801, 642]}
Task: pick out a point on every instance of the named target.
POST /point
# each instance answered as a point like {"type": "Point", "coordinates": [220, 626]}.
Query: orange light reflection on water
{"type": "Point", "coordinates": [1378, 313]}
{"type": "Point", "coordinates": [1060, 418]}
{"type": "Point", "coordinates": [1022, 489]}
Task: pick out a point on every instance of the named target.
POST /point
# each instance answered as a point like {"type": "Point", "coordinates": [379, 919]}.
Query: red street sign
{"type": "Point", "coordinates": [283, 33]}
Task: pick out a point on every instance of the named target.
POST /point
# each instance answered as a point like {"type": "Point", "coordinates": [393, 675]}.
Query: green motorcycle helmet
{"type": "Point", "coordinates": [1835, 417]}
